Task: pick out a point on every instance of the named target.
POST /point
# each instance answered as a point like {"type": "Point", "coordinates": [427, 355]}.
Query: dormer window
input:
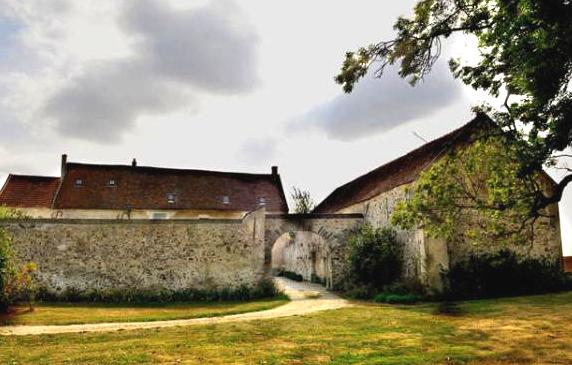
{"type": "Point", "coordinates": [261, 200]}
{"type": "Point", "coordinates": [112, 183]}
{"type": "Point", "coordinates": [171, 198]}
{"type": "Point", "coordinates": [79, 182]}
{"type": "Point", "coordinates": [226, 199]}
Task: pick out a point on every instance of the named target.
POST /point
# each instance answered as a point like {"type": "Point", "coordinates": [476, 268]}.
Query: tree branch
{"type": "Point", "coordinates": [558, 191]}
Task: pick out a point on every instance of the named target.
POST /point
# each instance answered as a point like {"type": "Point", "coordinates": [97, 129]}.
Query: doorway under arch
{"type": "Point", "coordinates": [305, 253]}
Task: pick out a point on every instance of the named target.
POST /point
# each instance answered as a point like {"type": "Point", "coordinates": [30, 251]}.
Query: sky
{"type": "Point", "coordinates": [224, 85]}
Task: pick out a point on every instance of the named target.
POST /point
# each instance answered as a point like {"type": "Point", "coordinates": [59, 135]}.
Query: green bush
{"type": "Point", "coordinates": [263, 289]}
{"type": "Point", "coordinates": [5, 268]}
{"type": "Point", "coordinates": [291, 275]}
{"type": "Point", "coordinates": [503, 274]}
{"type": "Point", "coordinates": [317, 280]}
{"type": "Point", "coordinates": [374, 260]}
{"type": "Point", "coordinates": [397, 298]}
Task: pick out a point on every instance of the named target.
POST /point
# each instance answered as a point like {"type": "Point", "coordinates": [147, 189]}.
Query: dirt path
{"type": "Point", "coordinates": [305, 298]}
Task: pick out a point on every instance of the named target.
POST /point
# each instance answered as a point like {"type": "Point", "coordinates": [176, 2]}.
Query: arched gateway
{"type": "Point", "coordinates": [311, 245]}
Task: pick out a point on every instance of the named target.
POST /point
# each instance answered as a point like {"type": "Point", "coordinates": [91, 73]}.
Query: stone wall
{"type": "Point", "coordinates": [546, 243]}
{"type": "Point", "coordinates": [86, 255]}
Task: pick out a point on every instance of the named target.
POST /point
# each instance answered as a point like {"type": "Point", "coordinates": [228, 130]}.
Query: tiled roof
{"type": "Point", "coordinates": [22, 191]}
{"type": "Point", "coordinates": [401, 171]}
{"type": "Point", "coordinates": [138, 187]}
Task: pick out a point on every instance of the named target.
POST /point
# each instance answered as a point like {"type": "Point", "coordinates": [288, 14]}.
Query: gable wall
{"type": "Point", "coordinates": [425, 257]}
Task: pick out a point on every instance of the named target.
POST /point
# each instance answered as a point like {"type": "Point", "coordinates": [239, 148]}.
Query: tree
{"type": "Point", "coordinates": [464, 195]}
{"type": "Point", "coordinates": [303, 200]}
{"type": "Point", "coordinates": [525, 58]}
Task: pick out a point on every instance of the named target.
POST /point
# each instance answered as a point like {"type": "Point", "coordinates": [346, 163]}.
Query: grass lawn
{"type": "Point", "coordinates": [535, 330]}
{"type": "Point", "coordinates": [76, 313]}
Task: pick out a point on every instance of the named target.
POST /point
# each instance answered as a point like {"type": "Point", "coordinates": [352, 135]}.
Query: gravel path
{"type": "Point", "coordinates": [305, 298]}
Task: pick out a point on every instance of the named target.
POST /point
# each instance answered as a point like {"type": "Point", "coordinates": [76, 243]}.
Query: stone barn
{"type": "Point", "coordinates": [375, 194]}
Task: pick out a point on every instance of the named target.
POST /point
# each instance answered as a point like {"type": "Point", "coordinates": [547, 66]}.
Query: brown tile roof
{"type": "Point", "coordinates": [139, 187]}
{"type": "Point", "coordinates": [401, 171]}
{"type": "Point", "coordinates": [22, 191]}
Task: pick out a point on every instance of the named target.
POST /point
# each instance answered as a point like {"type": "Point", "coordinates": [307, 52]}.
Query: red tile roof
{"type": "Point", "coordinates": [22, 191]}
{"type": "Point", "coordinates": [138, 187]}
{"type": "Point", "coordinates": [401, 171]}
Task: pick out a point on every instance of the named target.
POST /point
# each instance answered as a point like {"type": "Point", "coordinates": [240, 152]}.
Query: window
{"type": "Point", "coordinates": [171, 198]}
{"type": "Point", "coordinates": [78, 182]}
{"type": "Point", "coordinates": [226, 199]}
{"type": "Point", "coordinates": [111, 183]}
{"type": "Point", "coordinates": [262, 201]}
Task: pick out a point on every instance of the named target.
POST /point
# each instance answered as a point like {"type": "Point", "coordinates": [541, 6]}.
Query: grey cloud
{"type": "Point", "coordinates": [377, 105]}
{"type": "Point", "coordinates": [210, 47]}
{"type": "Point", "coordinates": [179, 53]}
{"type": "Point", "coordinates": [105, 102]}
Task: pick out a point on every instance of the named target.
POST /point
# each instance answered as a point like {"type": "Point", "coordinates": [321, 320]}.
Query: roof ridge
{"type": "Point", "coordinates": [174, 169]}
{"type": "Point", "coordinates": [34, 176]}
{"type": "Point", "coordinates": [448, 137]}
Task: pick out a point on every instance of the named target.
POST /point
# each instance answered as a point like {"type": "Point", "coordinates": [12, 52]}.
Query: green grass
{"type": "Point", "coordinates": [525, 330]}
{"type": "Point", "coordinates": [78, 313]}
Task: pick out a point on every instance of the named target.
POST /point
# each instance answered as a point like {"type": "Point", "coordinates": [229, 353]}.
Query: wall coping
{"type": "Point", "coordinates": [120, 221]}
{"type": "Point", "coordinates": [315, 216]}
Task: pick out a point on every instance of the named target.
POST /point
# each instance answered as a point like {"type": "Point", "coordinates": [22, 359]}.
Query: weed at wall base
{"type": "Point", "coordinates": [263, 289]}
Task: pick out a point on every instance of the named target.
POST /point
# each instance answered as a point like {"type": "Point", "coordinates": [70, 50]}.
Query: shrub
{"type": "Point", "coordinates": [263, 289]}
{"type": "Point", "coordinates": [397, 298]}
{"type": "Point", "coordinates": [317, 280]}
{"type": "Point", "coordinates": [291, 275]}
{"type": "Point", "coordinates": [374, 260]}
{"type": "Point", "coordinates": [7, 270]}
{"type": "Point", "coordinates": [20, 285]}
{"type": "Point", "coordinates": [358, 292]}
{"type": "Point", "coordinates": [405, 286]}
{"type": "Point", "coordinates": [503, 274]}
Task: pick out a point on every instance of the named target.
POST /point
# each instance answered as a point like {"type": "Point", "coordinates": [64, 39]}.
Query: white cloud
{"type": "Point", "coordinates": [378, 105]}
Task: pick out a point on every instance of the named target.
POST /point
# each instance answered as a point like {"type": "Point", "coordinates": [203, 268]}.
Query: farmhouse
{"type": "Point", "coordinates": [92, 191]}
{"type": "Point", "coordinates": [375, 194]}
{"type": "Point", "coordinates": [130, 228]}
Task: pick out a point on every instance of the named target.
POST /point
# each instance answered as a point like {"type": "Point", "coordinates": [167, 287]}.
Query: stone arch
{"type": "Point", "coordinates": [326, 233]}
{"type": "Point", "coordinates": [305, 253]}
